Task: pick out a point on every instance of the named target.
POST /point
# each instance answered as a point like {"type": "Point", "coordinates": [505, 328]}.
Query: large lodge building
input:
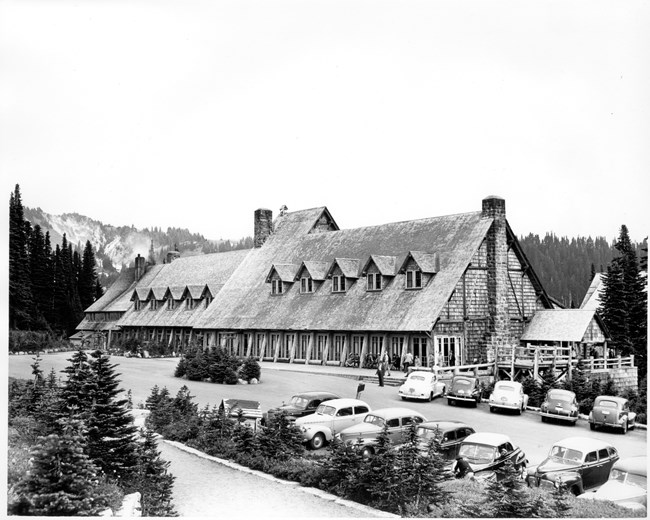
{"type": "Point", "coordinates": [451, 290]}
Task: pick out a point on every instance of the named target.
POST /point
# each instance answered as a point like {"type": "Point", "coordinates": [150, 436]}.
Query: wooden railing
{"type": "Point", "coordinates": [594, 365]}
{"type": "Point", "coordinates": [533, 355]}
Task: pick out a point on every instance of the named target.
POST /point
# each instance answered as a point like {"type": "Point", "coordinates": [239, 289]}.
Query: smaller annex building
{"type": "Point", "coordinates": [451, 290]}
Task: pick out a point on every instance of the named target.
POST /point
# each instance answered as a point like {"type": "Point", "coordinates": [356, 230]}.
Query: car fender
{"type": "Point", "coordinates": [568, 479]}
{"type": "Point", "coordinates": [310, 431]}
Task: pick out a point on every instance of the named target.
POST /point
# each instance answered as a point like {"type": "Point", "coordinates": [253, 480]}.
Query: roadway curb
{"type": "Point", "coordinates": [308, 490]}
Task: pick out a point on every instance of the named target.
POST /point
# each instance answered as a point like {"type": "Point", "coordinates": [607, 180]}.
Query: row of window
{"type": "Point", "coordinates": [190, 303]}
{"type": "Point", "coordinates": [374, 282]}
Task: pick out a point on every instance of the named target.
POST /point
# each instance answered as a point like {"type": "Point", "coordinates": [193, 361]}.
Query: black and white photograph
{"type": "Point", "coordinates": [325, 258]}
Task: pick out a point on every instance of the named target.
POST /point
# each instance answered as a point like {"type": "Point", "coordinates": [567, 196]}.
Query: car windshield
{"type": "Point", "coordinates": [299, 402]}
{"type": "Point", "coordinates": [463, 382]}
{"type": "Point", "coordinates": [417, 378]}
{"type": "Point", "coordinates": [565, 454]}
{"type": "Point", "coordinates": [426, 434]}
{"type": "Point", "coordinates": [607, 404]}
{"type": "Point", "coordinates": [478, 453]}
{"type": "Point", "coordinates": [629, 478]}
{"type": "Point", "coordinates": [556, 396]}
{"type": "Point", "coordinates": [374, 419]}
{"type": "Point", "coordinates": [326, 410]}
{"type": "Point", "coordinates": [505, 388]}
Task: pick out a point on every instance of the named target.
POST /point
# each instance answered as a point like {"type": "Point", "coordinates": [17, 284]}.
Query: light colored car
{"type": "Point", "coordinates": [330, 418]}
{"type": "Point", "coordinates": [613, 412]}
{"type": "Point", "coordinates": [397, 420]}
{"type": "Point", "coordinates": [559, 404]}
{"type": "Point", "coordinates": [508, 395]}
{"type": "Point", "coordinates": [486, 453]}
{"type": "Point", "coordinates": [575, 463]}
{"type": "Point", "coordinates": [422, 383]}
{"type": "Point", "coordinates": [627, 485]}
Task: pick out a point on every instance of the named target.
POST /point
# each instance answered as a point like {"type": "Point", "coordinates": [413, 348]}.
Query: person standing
{"type": "Point", "coordinates": [380, 372]}
{"type": "Point", "coordinates": [408, 359]}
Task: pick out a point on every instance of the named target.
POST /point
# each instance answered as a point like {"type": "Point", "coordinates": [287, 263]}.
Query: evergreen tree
{"type": "Point", "coordinates": [152, 479]}
{"type": "Point", "coordinates": [62, 480]}
{"type": "Point", "coordinates": [345, 471]}
{"type": "Point", "coordinates": [624, 302]}
{"type": "Point", "coordinates": [280, 438]}
{"type": "Point", "coordinates": [21, 303]}
{"type": "Point", "coordinates": [506, 495]}
{"type": "Point", "coordinates": [59, 300]}
{"type": "Point", "coordinates": [73, 312]}
{"type": "Point", "coordinates": [77, 390]}
{"type": "Point", "coordinates": [111, 433]}
{"type": "Point", "coordinates": [87, 277]}
{"type": "Point", "coordinates": [40, 276]}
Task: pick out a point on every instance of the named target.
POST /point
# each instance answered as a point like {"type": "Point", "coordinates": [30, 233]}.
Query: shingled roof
{"type": "Point", "coordinates": [560, 325]}
{"type": "Point", "coordinates": [245, 301]}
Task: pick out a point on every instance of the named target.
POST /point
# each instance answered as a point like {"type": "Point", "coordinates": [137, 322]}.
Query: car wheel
{"type": "Point", "coordinates": [519, 411]}
{"type": "Point", "coordinates": [592, 426]}
{"type": "Point", "coordinates": [431, 397]}
{"type": "Point", "coordinates": [449, 401]}
{"type": "Point", "coordinates": [633, 425]}
{"type": "Point", "coordinates": [367, 452]}
{"type": "Point", "coordinates": [491, 409]}
{"type": "Point", "coordinates": [475, 404]}
{"type": "Point", "coordinates": [317, 441]}
{"type": "Point", "coordinates": [403, 398]}
{"type": "Point", "coordinates": [625, 427]}
{"type": "Point", "coordinates": [543, 419]}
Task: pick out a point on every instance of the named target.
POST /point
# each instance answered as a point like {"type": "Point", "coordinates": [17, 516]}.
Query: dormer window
{"type": "Point", "coordinates": [338, 283]}
{"type": "Point", "coordinates": [189, 303]}
{"type": "Point", "coordinates": [153, 304]}
{"type": "Point", "coordinates": [170, 304]}
{"type": "Point", "coordinates": [138, 305]}
{"type": "Point", "coordinates": [306, 285]}
{"type": "Point", "coordinates": [276, 287]}
{"type": "Point", "coordinates": [208, 301]}
{"type": "Point", "coordinates": [373, 282]}
{"type": "Point", "coordinates": [414, 279]}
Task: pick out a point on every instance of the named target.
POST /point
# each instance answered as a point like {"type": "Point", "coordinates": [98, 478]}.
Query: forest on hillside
{"type": "Point", "coordinates": [566, 266]}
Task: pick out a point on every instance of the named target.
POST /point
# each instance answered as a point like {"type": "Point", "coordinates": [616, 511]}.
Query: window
{"type": "Point", "coordinates": [344, 411]}
{"type": "Point", "coordinates": [138, 305]}
{"type": "Point", "coordinates": [170, 304]}
{"type": "Point", "coordinates": [306, 285]}
{"type": "Point", "coordinates": [276, 286]}
{"type": "Point", "coordinates": [414, 279]}
{"type": "Point", "coordinates": [392, 423]}
{"type": "Point", "coordinates": [373, 281]}
{"type": "Point", "coordinates": [338, 283]}
{"type": "Point", "coordinates": [189, 303]}
{"type": "Point", "coordinates": [360, 409]}
{"type": "Point", "coordinates": [153, 305]}
{"type": "Point", "coordinates": [208, 301]}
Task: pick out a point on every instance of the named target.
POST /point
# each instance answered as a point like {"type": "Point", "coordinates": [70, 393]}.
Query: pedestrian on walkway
{"type": "Point", "coordinates": [385, 359]}
{"type": "Point", "coordinates": [380, 372]}
{"type": "Point", "coordinates": [408, 359]}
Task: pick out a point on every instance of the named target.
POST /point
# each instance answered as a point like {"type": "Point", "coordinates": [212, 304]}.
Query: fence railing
{"type": "Point", "coordinates": [594, 365]}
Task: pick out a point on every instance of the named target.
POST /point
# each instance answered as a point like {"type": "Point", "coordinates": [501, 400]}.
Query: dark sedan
{"type": "Point", "coordinates": [575, 463]}
{"type": "Point", "coordinates": [464, 389]}
{"type": "Point", "coordinates": [300, 405]}
{"type": "Point", "coordinates": [487, 453]}
{"type": "Point", "coordinates": [561, 405]}
{"type": "Point", "coordinates": [452, 434]}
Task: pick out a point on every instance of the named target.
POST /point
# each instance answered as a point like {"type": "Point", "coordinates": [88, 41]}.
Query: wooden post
{"type": "Point", "coordinates": [310, 347]}
{"type": "Point", "coordinates": [536, 364]}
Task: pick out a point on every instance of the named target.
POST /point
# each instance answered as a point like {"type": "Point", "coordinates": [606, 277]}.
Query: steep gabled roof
{"type": "Point", "coordinates": [560, 325]}
{"type": "Point", "coordinates": [427, 262]}
{"type": "Point", "coordinates": [175, 292]}
{"type": "Point", "coordinates": [592, 297]}
{"type": "Point", "coordinates": [245, 301]}
{"type": "Point", "coordinates": [348, 266]}
{"type": "Point", "coordinates": [194, 291]}
{"type": "Point", "coordinates": [286, 272]}
{"type": "Point", "coordinates": [385, 265]}
{"type": "Point", "coordinates": [317, 270]}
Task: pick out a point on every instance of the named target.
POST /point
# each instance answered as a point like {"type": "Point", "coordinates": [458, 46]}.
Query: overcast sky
{"type": "Point", "coordinates": [195, 113]}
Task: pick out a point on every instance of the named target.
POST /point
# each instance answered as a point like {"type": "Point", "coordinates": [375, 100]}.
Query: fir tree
{"type": "Point", "coordinates": [62, 480]}
{"type": "Point", "coordinates": [152, 479]}
{"type": "Point", "coordinates": [280, 438]}
{"type": "Point", "coordinates": [21, 303]}
{"type": "Point", "coordinates": [87, 277]}
{"type": "Point", "coordinates": [39, 266]}
{"type": "Point", "coordinates": [382, 481]}
{"type": "Point", "coordinates": [111, 433]}
{"type": "Point", "coordinates": [345, 471]}
{"type": "Point", "coordinates": [79, 386]}
{"type": "Point", "coordinates": [506, 496]}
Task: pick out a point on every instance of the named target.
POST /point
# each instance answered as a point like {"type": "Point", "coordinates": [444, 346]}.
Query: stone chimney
{"type": "Point", "coordinates": [497, 274]}
{"type": "Point", "coordinates": [263, 226]}
{"type": "Point", "coordinates": [139, 267]}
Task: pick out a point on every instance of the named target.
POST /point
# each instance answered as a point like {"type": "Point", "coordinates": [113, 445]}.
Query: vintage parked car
{"type": "Point", "coordinates": [464, 389]}
{"type": "Point", "coordinates": [612, 411]}
{"type": "Point", "coordinates": [575, 463]}
{"type": "Point", "coordinates": [330, 418]}
{"type": "Point", "coordinates": [487, 452]}
{"type": "Point", "coordinates": [398, 420]}
{"type": "Point", "coordinates": [422, 383]}
{"type": "Point", "coordinates": [627, 485]}
{"type": "Point", "coordinates": [452, 434]}
{"type": "Point", "coordinates": [508, 395]}
{"type": "Point", "coordinates": [300, 405]}
{"type": "Point", "coordinates": [559, 404]}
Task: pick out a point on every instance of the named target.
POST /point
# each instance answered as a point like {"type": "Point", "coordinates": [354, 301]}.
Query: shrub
{"type": "Point", "coordinates": [250, 370]}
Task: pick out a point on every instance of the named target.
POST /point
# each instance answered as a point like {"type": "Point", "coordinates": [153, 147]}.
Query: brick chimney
{"type": "Point", "coordinates": [497, 275]}
{"type": "Point", "coordinates": [263, 226]}
{"type": "Point", "coordinates": [139, 267]}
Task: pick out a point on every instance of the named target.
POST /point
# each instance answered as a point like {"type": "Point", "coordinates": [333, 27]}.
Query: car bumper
{"type": "Point", "coordinates": [534, 481]}
{"type": "Point", "coordinates": [564, 416]}
{"type": "Point", "coordinates": [505, 406]}
{"type": "Point", "coordinates": [608, 424]}
{"type": "Point", "coordinates": [414, 395]}
{"type": "Point", "coordinates": [467, 398]}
